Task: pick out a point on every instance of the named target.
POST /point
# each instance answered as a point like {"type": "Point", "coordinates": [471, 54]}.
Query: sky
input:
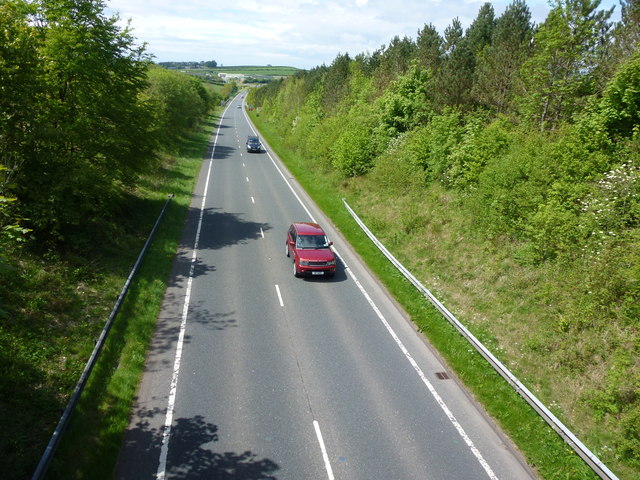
{"type": "Point", "coordinates": [296, 33]}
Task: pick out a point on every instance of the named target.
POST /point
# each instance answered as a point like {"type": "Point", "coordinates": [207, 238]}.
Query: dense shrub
{"type": "Point", "coordinates": [620, 104]}
{"type": "Point", "coordinates": [405, 104]}
{"type": "Point", "coordinates": [479, 144]}
{"type": "Point", "coordinates": [354, 149]}
{"type": "Point", "coordinates": [440, 137]}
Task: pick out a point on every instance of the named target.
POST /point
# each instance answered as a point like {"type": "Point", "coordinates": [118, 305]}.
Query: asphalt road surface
{"type": "Point", "coordinates": [256, 374]}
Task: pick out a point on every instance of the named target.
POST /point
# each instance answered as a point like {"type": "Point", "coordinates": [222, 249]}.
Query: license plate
{"type": "Point", "coordinates": [317, 273]}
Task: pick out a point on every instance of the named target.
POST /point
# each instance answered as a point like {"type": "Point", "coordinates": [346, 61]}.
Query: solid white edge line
{"type": "Point", "coordinates": [291, 188]}
{"type": "Point", "coordinates": [423, 377]}
{"type": "Point", "coordinates": [325, 457]}
{"type": "Point", "coordinates": [166, 433]}
{"type": "Point", "coordinates": [279, 296]}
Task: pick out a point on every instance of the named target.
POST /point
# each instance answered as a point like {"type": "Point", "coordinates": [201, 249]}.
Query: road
{"type": "Point", "coordinates": [256, 374]}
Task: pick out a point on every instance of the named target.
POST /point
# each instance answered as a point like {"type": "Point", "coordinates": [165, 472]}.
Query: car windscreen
{"type": "Point", "coordinates": [312, 241]}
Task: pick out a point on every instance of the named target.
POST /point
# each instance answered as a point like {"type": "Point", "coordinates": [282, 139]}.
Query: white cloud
{"type": "Point", "coordinates": [299, 33]}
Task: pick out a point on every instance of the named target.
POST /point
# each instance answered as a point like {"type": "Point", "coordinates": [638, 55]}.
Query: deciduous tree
{"type": "Point", "coordinates": [406, 103]}
{"type": "Point", "coordinates": [19, 88]}
{"type": "Point", "coordinates": [73, 130]}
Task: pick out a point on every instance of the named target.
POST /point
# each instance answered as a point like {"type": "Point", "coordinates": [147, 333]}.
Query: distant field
{"type": "Point", "coordinates": [250, 70]}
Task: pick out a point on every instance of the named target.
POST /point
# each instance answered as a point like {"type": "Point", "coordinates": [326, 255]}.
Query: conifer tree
{"type": "Point", "coordinates": [498, 69]}
{"type": "Point", "coordinates": [455, 78]}
{"type": "Point", "coordinates": [395, 59]}
{"type": "Point", "coordinates": [559, 75]}
{"type": "Point", "coordinates": [480, 32]}
{"type": "Point", "coordinates": [429, 48]}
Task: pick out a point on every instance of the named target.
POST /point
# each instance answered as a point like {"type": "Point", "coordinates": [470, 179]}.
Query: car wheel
{"type": "Point", "coordinates": [295, 270]}
{"type": "Point", "coordinates": [286, 250]}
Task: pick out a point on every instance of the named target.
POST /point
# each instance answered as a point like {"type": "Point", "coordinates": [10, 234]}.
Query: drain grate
{"type": "Point", "coordinates": [442, 375]}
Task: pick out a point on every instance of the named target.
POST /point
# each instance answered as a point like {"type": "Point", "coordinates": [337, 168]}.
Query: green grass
{"type": "Point", "coordinates": [54, 305]}
{"type": "Point", "coordinates": [276, 71]}
{"type": "Point", "coordinates": [90, 446]}
{"type": "Point", "coordinates": [543, 449]}
{"type": "Point", "coordinates": [216, 88]}
{"type": "Point", "coordinates": [246, 70]}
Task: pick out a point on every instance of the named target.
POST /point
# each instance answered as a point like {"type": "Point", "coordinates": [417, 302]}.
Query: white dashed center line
{"type": "Point", "coordinates": [327, 464]}
{"type": "Point", "coordinates": [279, 296]}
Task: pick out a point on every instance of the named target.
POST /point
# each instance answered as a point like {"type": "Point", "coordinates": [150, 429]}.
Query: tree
{"type": "Point", "coordinates": [619, 107]}
{"type": "Point", "coordinates": [19, 87]}
{"type": "Point", "coordinates": [455, 77]}
{"type": "Point", "coordinates": [480, 32]}
{"type": "Point", "coordinates": [336, 82]}
{"type": "Point", "coordinates": [179, 101]}
{"type": "Point", "coordinates": [429, 48]}
{"type": "Point", "coordinates": [406, 103]}
{"type": "Point", "coordinates": [367, 63]}
{"type": "Point", "coordinates": [498, 69]}
{"type": "Point", "coordinates": [559, 75]}
{"type": "Point", "coordinates": [625, 42]}
{"type": "Point", "coordinates": [627, 32]}
{"type": "Point", "coordinates": [353, 152]}
{"type": "Point", "coordinates": [91, 134]}
{"type": "Point", "coordinates": [395, 59]}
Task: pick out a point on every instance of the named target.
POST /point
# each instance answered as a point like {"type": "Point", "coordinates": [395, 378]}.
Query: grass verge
{"type": "Point", "coordinates": [542, 448]}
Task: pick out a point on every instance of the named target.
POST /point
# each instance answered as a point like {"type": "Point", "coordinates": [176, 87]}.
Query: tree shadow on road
{"type": "Point", "coordinates": [190, 455]}
{"type": "Point", "coordinates": [219, 229]}
{"type": "Point", "coordinates": [190, 458]}
{"type": "Point", "coordinates": [225, 228]}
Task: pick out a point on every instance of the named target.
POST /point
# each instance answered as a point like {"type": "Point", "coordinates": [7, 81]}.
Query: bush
{"type": "Point", "coordinates": [406, 103]}
{"type": "Point", "coordinates": [321, 141]}
{"type": "Point", "coordinates": [354, 150]}
{"type": "Point", "coordinates": [479, 144]}
{"type": "Point", "coordinates": [620, 105]}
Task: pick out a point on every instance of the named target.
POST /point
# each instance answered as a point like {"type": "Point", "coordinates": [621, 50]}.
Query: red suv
{"type": "Point", "coordinates": [312, 254]}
